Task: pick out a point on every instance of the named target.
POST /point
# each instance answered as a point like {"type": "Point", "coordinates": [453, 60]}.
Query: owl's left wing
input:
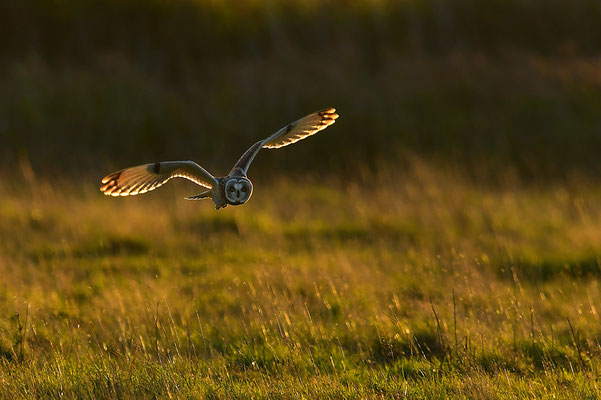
{"type": "Point", "coordinates": [144, 178]}
{"type": "Point", "coordinates": [291, 133]}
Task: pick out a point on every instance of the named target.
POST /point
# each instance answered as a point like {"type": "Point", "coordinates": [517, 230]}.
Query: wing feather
{"type": "Point", "coordinates": [144, 178]}
{"type": "Point", "coordinates": [304, 127]}
{"type": "Point", "coordinates": [291, 133]}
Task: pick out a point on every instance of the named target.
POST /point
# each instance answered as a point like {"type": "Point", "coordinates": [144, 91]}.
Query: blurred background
{"type": "Point", "coordinates": [87, 86]}
{"type": "Point", "coordinates": [444, 239]}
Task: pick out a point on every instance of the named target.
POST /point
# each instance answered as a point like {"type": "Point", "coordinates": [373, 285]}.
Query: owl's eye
{"type": "Point", "coordinates": [243, 189]}
{"type": "Point", "coordinates": [232, 189]}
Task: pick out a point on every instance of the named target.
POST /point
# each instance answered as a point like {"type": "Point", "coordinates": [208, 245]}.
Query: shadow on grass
{"type": "Point", "coordinates": [112, 246]}
{"type": "Point", "coordinates": [425, 345]}
{"type": "Point", "coordinates": [545, 356]}
{"type": "Point", "coordinates": [380, 350]}
{"type": "Point", "coordinates": [212, 224]}
{"type": "Point", "coordinates": [107, 246]}
{"type": "Point", "coordinates": [550, 269]}
{"type": "Point", "coordinates": [361, 232]}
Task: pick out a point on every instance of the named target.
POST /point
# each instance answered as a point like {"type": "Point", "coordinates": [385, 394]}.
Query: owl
{"type": "Point", "coordinates": [233, 189]}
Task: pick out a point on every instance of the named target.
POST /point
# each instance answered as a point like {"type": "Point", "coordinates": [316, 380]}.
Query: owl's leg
{"type": "Point", "coordinates": [204, 195]}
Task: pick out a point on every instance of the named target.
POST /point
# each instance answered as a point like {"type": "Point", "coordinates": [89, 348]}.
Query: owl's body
{"type": "Point", "coordinates": [233, 189]}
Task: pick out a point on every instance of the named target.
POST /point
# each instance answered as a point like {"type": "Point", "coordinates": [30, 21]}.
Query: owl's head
{"type": "Point", "coordinates": [238, 190]}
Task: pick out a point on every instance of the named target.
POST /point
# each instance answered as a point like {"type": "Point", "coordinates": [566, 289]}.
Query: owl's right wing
{"type": "Point", "coordinates": [291, 133]}
{"type": "Point", "coordinates": [147, 177]}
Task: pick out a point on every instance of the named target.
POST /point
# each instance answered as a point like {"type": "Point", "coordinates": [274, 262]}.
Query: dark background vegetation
{"type": "Point", "coordinates": [87, 85]}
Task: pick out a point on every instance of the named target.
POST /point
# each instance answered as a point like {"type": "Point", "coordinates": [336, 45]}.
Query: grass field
{"type": "Point", "coordinates": [420, 284]}
{"type": "Point", "coordinates": [441, 240]}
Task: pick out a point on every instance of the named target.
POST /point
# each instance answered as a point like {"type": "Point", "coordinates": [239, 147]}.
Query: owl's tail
{"type": "Point", "coordinates": [204, 195]}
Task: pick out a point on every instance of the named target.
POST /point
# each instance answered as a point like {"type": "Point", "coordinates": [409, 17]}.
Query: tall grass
{"type": "Point", "coordinates": [422, 247]}
{"type": "Point", "coordinates": [419, 285]}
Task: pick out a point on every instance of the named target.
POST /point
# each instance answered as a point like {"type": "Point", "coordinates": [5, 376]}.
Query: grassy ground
{"type": "Point", "coordinates": [479, 280]}
{"type": "Point", "coordinates": [414, 285]}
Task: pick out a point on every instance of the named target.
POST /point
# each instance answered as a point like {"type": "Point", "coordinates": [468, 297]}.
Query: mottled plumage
{"type": "Point", "coordinates": [235, 188]}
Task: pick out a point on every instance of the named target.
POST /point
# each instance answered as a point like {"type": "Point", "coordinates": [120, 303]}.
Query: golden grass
{"type": "Point", "coordinates": [413, 284]}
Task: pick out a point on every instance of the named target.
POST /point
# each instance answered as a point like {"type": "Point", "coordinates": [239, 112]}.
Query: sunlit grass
{"type": "Point", "coordinates": [430, 287]}
{"type": "Point", "coordinates": [474, 274]}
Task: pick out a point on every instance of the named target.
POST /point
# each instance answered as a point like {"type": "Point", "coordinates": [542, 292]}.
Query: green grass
{"type": "Point", "coordinates": [474, 273]}
{"type": "Point", "coordinates": [414, 285]}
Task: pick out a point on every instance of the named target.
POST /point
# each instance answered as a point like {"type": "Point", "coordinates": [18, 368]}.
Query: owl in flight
{"type": "Point", "coordinates": [235, 188]}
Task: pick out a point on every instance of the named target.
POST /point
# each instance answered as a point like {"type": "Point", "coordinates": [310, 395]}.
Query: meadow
{"type": "Point", "coordinates": [441, 240]}
{"type": "Point", "coordinates": [414, 284]}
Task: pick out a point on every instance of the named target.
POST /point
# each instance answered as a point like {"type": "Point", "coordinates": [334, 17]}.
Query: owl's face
{"type": "Point", "coordinates": [238, 190]}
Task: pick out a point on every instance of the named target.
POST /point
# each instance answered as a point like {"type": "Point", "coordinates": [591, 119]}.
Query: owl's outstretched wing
{"type": "Point", "coordinates": [291, 133]}
{"type": "Point", "coordinates": [147, 177]}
